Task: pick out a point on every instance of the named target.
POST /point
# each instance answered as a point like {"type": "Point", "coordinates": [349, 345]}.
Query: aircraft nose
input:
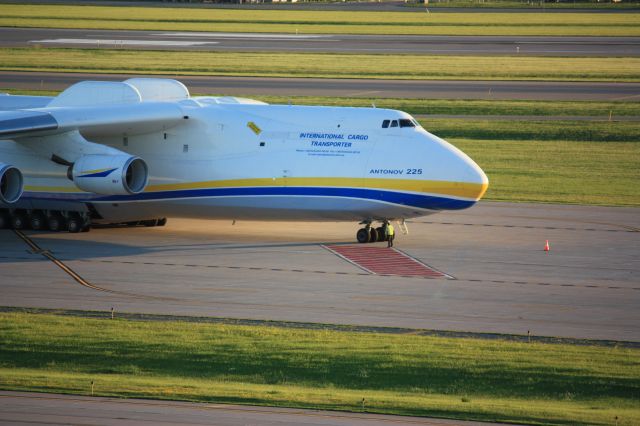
{"type": "Point", "coordinates": [449, 163]}
{"type": "Point", "coordinates": [475, 176]}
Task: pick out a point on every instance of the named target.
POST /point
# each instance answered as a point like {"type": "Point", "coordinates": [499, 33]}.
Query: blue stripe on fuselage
{"type": "Point", "coordinates": [410, 200]}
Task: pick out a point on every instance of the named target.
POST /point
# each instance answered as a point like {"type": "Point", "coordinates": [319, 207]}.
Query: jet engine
{"type": "Point", "coordinates": [110, 174]}
{"type": "Point", "coordinates": [11, 184]}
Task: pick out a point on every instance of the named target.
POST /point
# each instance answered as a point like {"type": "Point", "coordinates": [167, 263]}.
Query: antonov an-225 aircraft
{"type": "Point", "coordinates": [142, 150]}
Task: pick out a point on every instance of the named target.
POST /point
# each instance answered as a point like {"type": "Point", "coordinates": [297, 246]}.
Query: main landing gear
{"type": "Point", "coordinates": [58, 220]}
{"type": "Point", "coordinates": [370, 234]}
{"type": "Point", "coordinates": [52, 220]}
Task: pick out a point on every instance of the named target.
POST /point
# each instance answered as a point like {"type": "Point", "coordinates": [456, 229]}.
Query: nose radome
{"type": "Point", "coordinates": [459, 168]}
{"type": "Point", "coordinates": [476, 177]}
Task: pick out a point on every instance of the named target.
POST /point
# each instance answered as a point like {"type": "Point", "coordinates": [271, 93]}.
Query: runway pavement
{"type": "Point", "coordinates": [367, 88]}
{"type": "Point", "coordinates": [289, 42]}
{"type": "Point", "coordinates": [50, 409]}
{"type": "Point", "coordinates": [587, 286]}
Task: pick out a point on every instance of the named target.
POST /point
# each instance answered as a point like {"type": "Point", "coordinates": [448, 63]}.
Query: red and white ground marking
{"type": "Point", "coordinates": [385, 261]}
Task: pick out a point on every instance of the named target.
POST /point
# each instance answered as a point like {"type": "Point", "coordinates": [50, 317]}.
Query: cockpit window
{"type": "Point", "coordinates": [385, 124]}
{"type": "Point", "coordinates": [405, 122]}
{"type": "Point", "coordinates": [394, 123]}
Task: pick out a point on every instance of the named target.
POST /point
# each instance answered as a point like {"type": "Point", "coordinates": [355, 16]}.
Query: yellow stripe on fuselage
{"type": "Point", "coordinates": [455, 189]}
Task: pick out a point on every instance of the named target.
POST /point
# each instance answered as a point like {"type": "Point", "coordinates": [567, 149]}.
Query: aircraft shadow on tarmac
{"type": "Point", "coordinates": [83, 249]}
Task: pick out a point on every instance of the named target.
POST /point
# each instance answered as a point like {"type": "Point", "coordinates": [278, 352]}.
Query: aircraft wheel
{"type": "Point", "coordinates": [74, 224]}
{"type": "Point", "coordinates": [86, 228]}
{"type": "Point", "coordinates": [373, 235]}
{"type": "Point", "coordinates": [380, 231]}
{"type": "Point", "coordinates": [18, 221]}
{"type": "Point", "coordinates": [37, 221]}
{"type": "Point", "coordinates": [162, 222]}
{"type": "Point", "coordinates": [56, 223]}
{"type": "Point", "coordinates": [363, 235]}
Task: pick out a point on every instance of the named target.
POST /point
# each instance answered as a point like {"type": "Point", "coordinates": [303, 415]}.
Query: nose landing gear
{"type": "Point", "coordinates": [369, 234]}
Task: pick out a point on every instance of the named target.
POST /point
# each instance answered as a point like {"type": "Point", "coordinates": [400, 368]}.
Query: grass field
{"type": "Point", "coordinates": [558, 162]}
{"type": "Point", "coordinates": [325, 22]}
{"type": "Point", "coordinates": [495, 380]}
{"type": "Point", "coordinates": [323, 65]}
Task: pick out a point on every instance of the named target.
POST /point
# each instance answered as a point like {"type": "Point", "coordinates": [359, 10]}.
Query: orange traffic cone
{"type": "Point", "coordinates": [546, 246]}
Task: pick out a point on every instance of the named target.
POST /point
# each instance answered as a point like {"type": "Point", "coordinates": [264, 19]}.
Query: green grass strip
{"type": "Point", "coordinates": [472, 107]}
{"type": "Point", "coordinates": [575, 131]}
{"type": "Point", "coordinates": [325, 22]}
{"type": "Point", "coordinates": [325, 65]}
{"type": "Point", "coordinates": [558, 171]}
{"type": "Point", "coordinates": [492, 380]}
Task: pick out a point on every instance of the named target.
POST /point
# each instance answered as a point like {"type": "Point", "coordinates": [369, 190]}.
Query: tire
{"type": "Point", "coordinates": [74, 224]}
{"type": "Point", "coordinates": [363, 235]}
{"type": "Point", "coordinates": [162, 222]}
{"type": "Point", "coordinates": [56, 223]}
{"type": "Point", "coordinates": [37, 221]}
{"type": "Point", "coordinates": [373, 235]}
{"type": "Point", "coordinates": [18, 221]}
{"type": "Point", "coordinates": [5, 219]}
{"type": "Point", "coordinates": [86, 228]}
{"type": "Point", "coordinates": [381, 236]}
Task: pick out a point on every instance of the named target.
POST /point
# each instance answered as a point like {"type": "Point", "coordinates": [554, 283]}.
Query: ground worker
{"type": "Point", "coordinates": [390, 233]}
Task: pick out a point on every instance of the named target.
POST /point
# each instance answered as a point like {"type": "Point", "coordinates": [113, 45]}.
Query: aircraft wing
{"type": "Point", "coordinates": [63, 129]}
{"type": "Point", "coordinates": [91, 121]}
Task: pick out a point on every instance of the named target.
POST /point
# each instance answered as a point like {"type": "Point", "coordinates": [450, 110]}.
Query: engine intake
{"type": "Point", "coordinates": [11, 184]}
{"type": "Point", "coordinates": [110, 174]}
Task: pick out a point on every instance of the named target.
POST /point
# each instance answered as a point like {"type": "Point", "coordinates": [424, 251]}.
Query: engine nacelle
{"type": "Point", "coordinates": [11, 184]}
{"type": "Point", "coordinates": [110, 174]}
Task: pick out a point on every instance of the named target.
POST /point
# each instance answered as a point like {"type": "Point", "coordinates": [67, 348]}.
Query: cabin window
{"type": "Point", "coordinates": [385, 124]}
{"type": "Point", "coordinates": [404, 122]}
{"type": "Point", "coordinates": [394, 123]}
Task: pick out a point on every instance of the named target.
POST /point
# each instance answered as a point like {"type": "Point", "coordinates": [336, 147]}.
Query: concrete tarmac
{"type": "Point", "coordinates": [388, 44]}
{"type": "Point", "coordinates": [50, 409]}
{"type": "Point", "coordinates": [587, 286]}
{"type": "Point", "coordinates": [358, 88]}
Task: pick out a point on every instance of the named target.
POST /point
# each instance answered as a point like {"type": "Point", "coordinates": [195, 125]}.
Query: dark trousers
{"type": "Point", "coordinates": [390, 240]}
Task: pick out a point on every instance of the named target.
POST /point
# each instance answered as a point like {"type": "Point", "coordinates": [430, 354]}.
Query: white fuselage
{"type": "Point", "coordinates": [271, 162]}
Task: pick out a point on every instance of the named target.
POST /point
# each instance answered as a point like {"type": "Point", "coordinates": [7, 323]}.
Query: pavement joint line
{"type": "Point", "coordinates": [628, 229]}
